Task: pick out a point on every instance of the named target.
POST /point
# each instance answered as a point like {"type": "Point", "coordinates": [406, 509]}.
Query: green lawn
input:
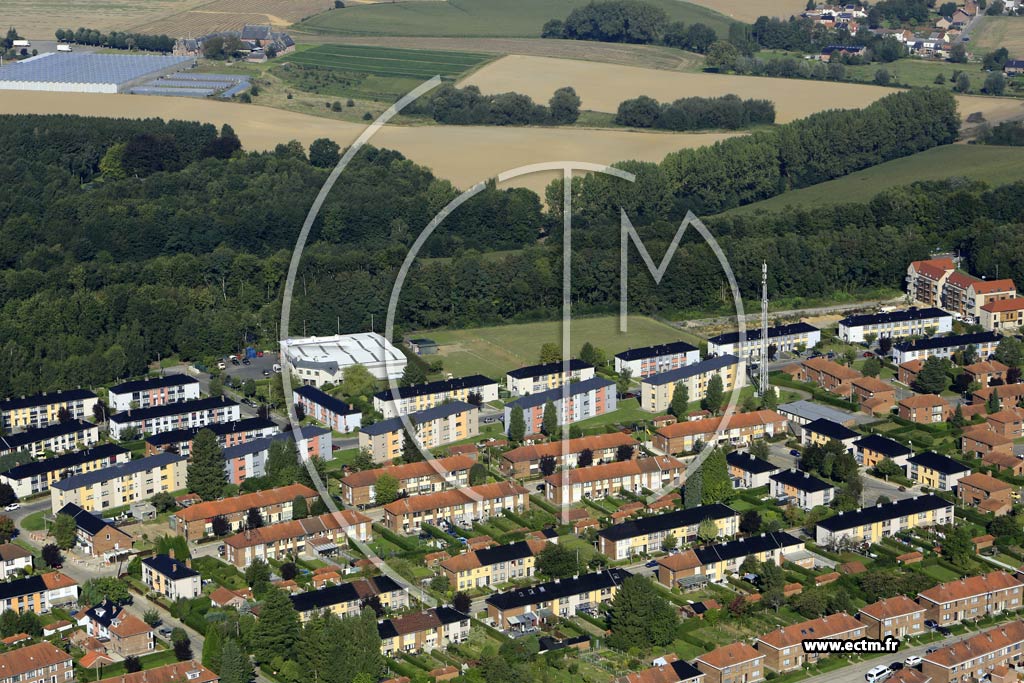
{"type": "Point", "coordinates": [990, 33]}
{"type": "Point", "coordinates": [385, 61]}
{"type": "Point", "coordinates": [941, 573]}
{"type": "Point", "coordinates": [477, 18]}
{"type": "Point", "coordinates": [34, 522]}
{"type": "Point", "coordinates": [492, 351]}
{"type": "Point", "coordinates": [995, 165]}
{"type": "Point", "coordinates": [917, 73]}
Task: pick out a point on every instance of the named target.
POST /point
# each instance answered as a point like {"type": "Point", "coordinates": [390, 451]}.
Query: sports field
{"type": "Point", "coordinates": [990, 33]}
{"type": "Point", "coordinates": [493, 351]}
{"type": "Point", "coordinates": [994, 165]}
{"type": "Point", "coordinates": [386, 61]}
{"type": "Point", "coordinates": [478, 18]}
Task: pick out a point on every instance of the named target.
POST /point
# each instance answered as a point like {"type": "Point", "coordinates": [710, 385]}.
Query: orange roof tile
{"type": "Point", "coordinates": [710, 425]}
{"type": "Point", "coordinates": [934, 268]}
{"type": "Point", "coordinates": [614, 470]}
{"type": "Point", "coordinates": [913, 365]}
{"type": "Point", "coordinates": [962, 280]}
{"type": "Point", "coordinates": [923, 401]}
{"type": "Point", "coordinates": [823, 627]}
{"type": "Point", "coordinates": [94, 658]}
{"type": "Point", "coordinates": [127, 625]}
{"type": "Point", "coordinates": [57, 580]}
{"type": "Point", "coordinates": [443, 499]}
{"type": "Point", "coordinates": [259, 499]}
{"type": "Point", "coordinates": [678, 562]}
{"type": "Point", "coordinates": [1004, 305]}
{"type": "Point", "coordinates": [969, 587]}
{"type": "Point", "coordinates": [993, 640]}
{"type": "Point", "coordinates": [872, 384]}
{"type": "Point", "coordinates": [985, 367]}
{"type": "Point", "coordinates": [985, 482]}
{"type": "Point", "coordinates": [729, 655]}
{"type": "Point", "coordinates": [297, 528]}
{"type": "Point", "coordinates": [438, 468]}
{"type": "Point", "coordinates": [990, 286]}
{"type": "Point", "coordinates": [983, 435]}
{"type": "Point", "coordinates": [829, 367]}
{"type": "Point", "coordinates": [555, 448]}
{"type": "Point", "coordinates": [892, 607]}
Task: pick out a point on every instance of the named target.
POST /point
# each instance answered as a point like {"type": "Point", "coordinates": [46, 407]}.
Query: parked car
{"type": "Point", "coordinates": [931, 650]}
{"type": "Point", "coordinates": [913, 660]}
{"type": "Point", "coordinates": [651, 564]}
{"type": "Point", "coordinates": [794, 452]}
{"type": "Point", "coordinates": [234, 361]}
{"type": "Point", "coordinates": [878, 673]}
{"type": "Point", "coordinates": [943, 630]}
{"type": "Point", "coordinates": [246, 361]}
{"type": "Point", "coordinates": [868, 354]}
{"type": "Point", "coordinates": [896, 666]}
{"type": "Point", "coordinates": [931, 623]}
{"type": "Point", "coordinates": [13, 506]}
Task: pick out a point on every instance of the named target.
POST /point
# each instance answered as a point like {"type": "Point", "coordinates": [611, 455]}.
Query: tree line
{"type": "Point", "coordinates": [695, 113]}
{"type": "Point", "coordinates": [117, 40]}
{"type": "Point", "coordinates": [468, 106]}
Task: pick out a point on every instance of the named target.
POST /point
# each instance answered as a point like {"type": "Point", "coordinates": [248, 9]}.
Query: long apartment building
{"type": "Point", "coordinates": [803, 488]}
{"type": "Point", "coordinates": [936, 471]}
{"type": "Point", "coordinates": [155, 391]}
{"type": "Point", "coordinates": [39, 663]}
{"type": "Point", "coordinates": [121, 484]}
{"type": "Point", "coordinates": [249, 459]}
{"type": "Point", "coordinates": [586, 398]}
{"type": "Point", "coordinates": [414, 479]}
{"type": "Point", "coordinates": [333, 412]}
{"type": "Point", "coordinates": [526, 607]}
{"type": "Point", "coordinates": [895, 324]}
{"type": "Point", "coordinates": [895, 617]}
{"type": "Point", "coordinates": [738, 430]}
{"type": "Point", "coordinates": [600, 481]}
{"type": "Point", "coordinates": [972, 597]}
{"type": "Point", "coordinates": [871, 524]}
{"type": "Point", "coordinates": [475, 389]}
{"type": "Point", "coordinates": [926, 278]}
{"type": "Point", "coordinates": [492, 566]}
{"type": "Point", "coordinates": [717, 561]}
{"type": "Point", "coordinates": [460, 507]}
{"type": "Point", "coordinates": [646, 534]}
{"type": "Point", "coordinates": [963, 295]}
{"type": "Point", "coordinates": [652, 360]}
{"type": "Point", "coordinates": [732, 663]}
{"type": "Point", "coordinates": [57, 438]}
{"type": "Point", "coordinates": [525, 461]}
{"type": "Point", "coordinates": [437, 426]}
{"type": "Point", "coordinates": [656, 391]}
{"type": "Point", "coordinates": [41, 410]}
{"type": "Point", "coordinates": [872, 449]}
{"type": "Point", "coordinates": [785, 338]}
{"type": "Point", "coordinates": [984, 344]}
{"type": "Point", "coordinates": [977, 657]}
{"type": "Point", "coordinates": [346, 599]}
{"type": "Point", "coordinates": [748, 471]}
{"type": "Point", "coordinates": [164, 418]}
{"type": "Point", "coordinates": [423, 631]}
{"type": "Point", "coordinates": [274, 505]}
{"type": "Point", "coordinates": [309, 537]}
{"type": "Point", "coordinates": [228, 434]}
{"type": "Point", "coordinates": [783, 647]}
{"type": "Point", "coordinates": [537, 378]}
{"type": "Point", "coordinates": [36, 476]}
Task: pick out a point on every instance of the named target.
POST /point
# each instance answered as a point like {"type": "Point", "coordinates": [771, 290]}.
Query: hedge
{"type": "Point", "coordinates": [388, 535]}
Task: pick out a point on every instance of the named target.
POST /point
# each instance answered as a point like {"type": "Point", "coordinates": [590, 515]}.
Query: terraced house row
{"type": "Point", "coordinates": [713, 563]}
{"type": "Point", "coordinates": [418, 397]}
{"type": "Point", "coordinates": [346, 599]}
{"type": "Point", "coordinates": [274, 505]}
{"type": "Point", "coordinates": [737, 430]}
{"type": "Point", "coordinates": [460, 507]}
{"type": "Point", "coordinates": [309, 537]}
{"type": "Point", "coordinates": [600, 481]}
{"type": "Point", "coordinates": [423, 631]}
{"type": "Point", "coordinates": [646, 534]}
{"type": "Point", "coordinates": [524, 461]}
{"type": "Point", "coordinates": [414, 479]}
{"type": "Point", "coordinates": [493, 566]}
{"type": "Point", "coordinates": [528, 607]}
{"type": "Point", "coordinates": [871, 524]}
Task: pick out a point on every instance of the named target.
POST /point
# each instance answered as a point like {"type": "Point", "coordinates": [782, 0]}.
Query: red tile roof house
{"type": "Point", "coordinates": [972, 597]}
{"type": "Point", "coordinates": [179, 672]}
{"type": "Point", "coordinates": [1008, 422]}
{"type": "Point", "coordinates": [899, 617]}
{"type": "Point", "coordinates": [971, 658]}
{"type": "Point", "coordinates": [525, 460]}
{"type": "Point", "coordinates": [600, 481]}
{"type": "Point", "coordinates": [126, 633]}
{"type": "Point", "coordinates": [297, 537]}
{"type": "Point", "coordinates": [732, 663]}
{"type": "Point", "coordinates": [906, 373]}
{"type": "Point", "coordinates": [783, 647]}
{"type": "Point", "coordinates": [36, 664]}
{"type": "Point", "coordinates": [275, 505]}
{"type": "Point", "coordinates": [985, 371]}
{"type": "Point", "coordinates": [925, 409]}
{"type": "Point", "coordinates": [980, 441]}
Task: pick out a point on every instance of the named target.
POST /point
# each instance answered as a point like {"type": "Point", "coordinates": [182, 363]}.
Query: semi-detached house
{"type": "Point", "coordinates": [422, 631]}
{"type": "Point", "coordinates": [803, 488]}
{"type": "Point", "coordinates": [310, 537]}
{"type": "Point", "coordinates": [783, 647]}
{"type": "Point", "coordinates": [492, 566]}
{"type": "Point", "coordinates": [896, 617]}
{"type": "Point", "coordinates": [978, 656]}
{"type": "Point", "coordinates": [732, 663]}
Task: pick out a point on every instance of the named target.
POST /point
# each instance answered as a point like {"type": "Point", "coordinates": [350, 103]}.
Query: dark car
{"type": "Point", "coordinates": [896, 666]}
{"type": "Point", "coordinates": [794, 452]}
{"type": "Point", "coordinates": [651, 563]}
{"type": "Point", "coordinates": [868, 354]}
{"type": "Point", "coordinates": [931, 623]}
{"type": "Point", "coordinates": [944, 631]}
{"type": "Point", "coordinates": [246, 361]}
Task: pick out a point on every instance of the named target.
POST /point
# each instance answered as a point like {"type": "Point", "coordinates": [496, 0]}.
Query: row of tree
{"type": "Point", "coordinates": [468, 106]}
{"type": "Point", "coordinates": [695, 113]}
{"type": "Point", "coordinates": [117, 40]}
{"type": "Point", "coordinates": [622, 21]}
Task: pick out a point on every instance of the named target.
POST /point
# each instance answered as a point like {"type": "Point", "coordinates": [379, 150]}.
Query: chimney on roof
{"type": "Point", "coordinates": [188, 562]}
{"type": "Point", "coordinates": [170, 553]}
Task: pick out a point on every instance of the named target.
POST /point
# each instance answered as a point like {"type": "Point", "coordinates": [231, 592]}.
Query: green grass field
{"type": "Point", "coordinates": [477, 18]}
{"type": "Point", "coordinates": [384, 61]}
{"type": "Point", "coordinates": [995, 165]}
{"type": "Point", "coordinates": [917, 73]}
{"type": "Point", "coordinates": [991, 33]}
{"type": "Point", "coordinates": [492, 351]}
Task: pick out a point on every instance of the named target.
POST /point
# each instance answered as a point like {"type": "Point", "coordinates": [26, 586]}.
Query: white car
{"type": "Point", "coordinates": [879, 673]}
{"type": "Point", "coordinates": [912, 660]}
{"type": "Point", "coordinates": [12, 506]}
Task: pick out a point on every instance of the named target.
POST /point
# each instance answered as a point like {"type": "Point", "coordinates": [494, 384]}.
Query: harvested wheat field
{"type": "Point", "coordinates": [994, 109]}
{"type": "Point", "coordinates": [650, 56]}
{"type": "Point", "coordinates": [602, 86]}
{"type": "Point", "coordinates": [231, 15]}
{"type": "Point", "coordinates": [749, 10]}
{"type": "Point", "coordinates": [38, 19]}
{"type": "Point", "coordinates": [462, 154]}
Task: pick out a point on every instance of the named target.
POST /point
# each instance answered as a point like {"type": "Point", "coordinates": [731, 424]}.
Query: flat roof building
{"type": "Point", "coordinates": [89, 72]}
{"type": "Point", "coordinates": [319, 360]}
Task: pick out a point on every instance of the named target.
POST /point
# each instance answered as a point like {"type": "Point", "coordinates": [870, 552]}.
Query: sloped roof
{"type": "Point", "coordinates": [259, 499]}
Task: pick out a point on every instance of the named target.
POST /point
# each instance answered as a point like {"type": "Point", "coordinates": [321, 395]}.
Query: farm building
{"type": "Point", "coordinates": [87, 72]}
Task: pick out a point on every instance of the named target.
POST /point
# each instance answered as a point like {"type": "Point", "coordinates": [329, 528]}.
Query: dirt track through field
{"type": "Point", "coordinates": [603, 86]}
{"type": "Point", "coordinates": [463, 154]}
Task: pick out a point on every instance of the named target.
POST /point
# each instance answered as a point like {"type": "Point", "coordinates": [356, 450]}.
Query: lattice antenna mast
{"type": "Point", "coordinates": [762, 370]}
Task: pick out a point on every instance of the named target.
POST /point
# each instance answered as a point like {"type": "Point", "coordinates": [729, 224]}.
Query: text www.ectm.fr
{"type": "Point", "coordinates": [861, 645]}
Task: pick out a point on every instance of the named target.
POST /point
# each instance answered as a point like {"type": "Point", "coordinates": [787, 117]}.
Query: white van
{"type": "Point", "coordinates": [879, 673]}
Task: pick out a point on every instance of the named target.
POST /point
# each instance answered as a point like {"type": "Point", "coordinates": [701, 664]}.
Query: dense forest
{"type": "Point", "coordinates": [109, 258]}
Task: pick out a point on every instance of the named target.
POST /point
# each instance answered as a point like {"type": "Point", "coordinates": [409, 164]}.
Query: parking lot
{"type": "Point", "coordinates": [259, 367]}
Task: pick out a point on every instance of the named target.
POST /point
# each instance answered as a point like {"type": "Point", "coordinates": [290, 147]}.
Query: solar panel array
{"type": "Point", "coordinates": [87, 67]}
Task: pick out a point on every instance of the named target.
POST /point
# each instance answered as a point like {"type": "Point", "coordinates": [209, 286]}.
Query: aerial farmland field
{"type": "Point", "coordinates": [477, 18]}
{"type": "Point", "coordinates": [995, 32]}
{"type": "Point", "coordinates": [230, 15]}
{"type": "Point", "coordinates": [38, 19]}
{"type": "Point", "coordinates": [383, 61]}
